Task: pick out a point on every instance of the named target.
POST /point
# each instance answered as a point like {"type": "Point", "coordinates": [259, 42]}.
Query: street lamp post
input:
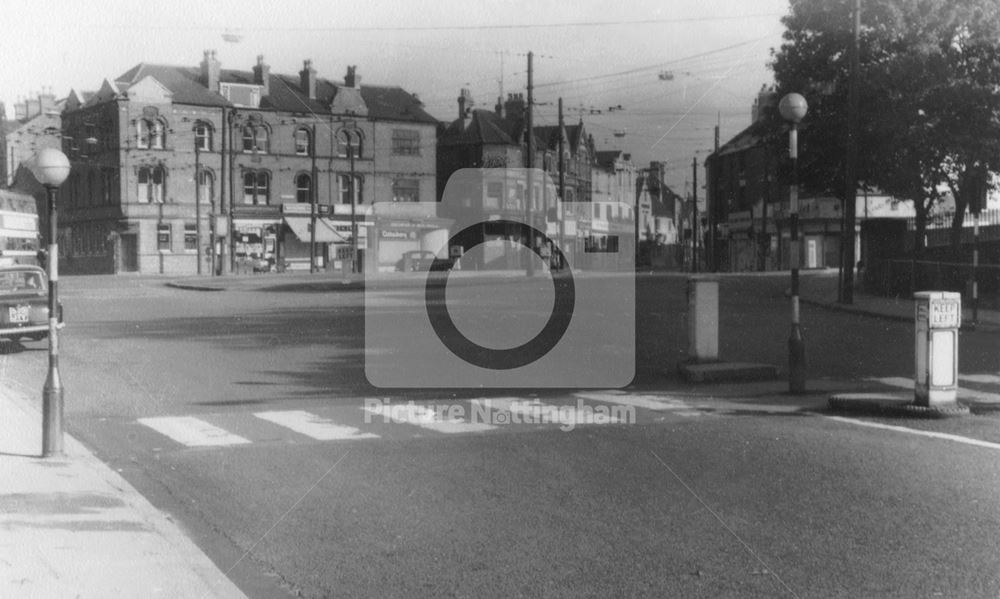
{"type": "Point", "coordinates": [51, 167]}
{"type": "Point", "coordinates": [197, 198]}
{"type": "Point", "coordinates": [793, 109]}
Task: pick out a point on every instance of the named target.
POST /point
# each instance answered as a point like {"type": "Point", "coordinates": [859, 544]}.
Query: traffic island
{"type": "Point", "coordinates": [717, 372]}
{"type": "Point", "coordinates": [703, 365]}
{"type": "Point", "coordinates": [899, 405]}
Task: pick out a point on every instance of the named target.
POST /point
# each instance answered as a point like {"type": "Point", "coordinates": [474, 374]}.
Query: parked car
{"type": "Point", "coordinates": [415, 260]}
{"type": "Point", "coordinates": [24, 303]}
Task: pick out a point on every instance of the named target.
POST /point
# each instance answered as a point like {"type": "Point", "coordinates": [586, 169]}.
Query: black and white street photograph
{"type": "Point", "coordinates": [500, 299]}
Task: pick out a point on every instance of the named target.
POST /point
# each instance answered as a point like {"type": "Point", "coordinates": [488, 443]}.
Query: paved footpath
{"type": "Point", "coordinates": [72, 527]}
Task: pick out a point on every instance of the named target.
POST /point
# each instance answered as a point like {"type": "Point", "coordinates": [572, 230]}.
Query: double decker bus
{"type": "Point", "coordinates": [19, 233]}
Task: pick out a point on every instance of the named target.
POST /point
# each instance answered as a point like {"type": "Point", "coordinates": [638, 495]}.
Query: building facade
{"type": "Point", "coordinates": [171, 163]}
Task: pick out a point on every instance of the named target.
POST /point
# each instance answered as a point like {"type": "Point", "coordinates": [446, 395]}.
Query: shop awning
{"type": "Point", "coordinates": [324, 233]}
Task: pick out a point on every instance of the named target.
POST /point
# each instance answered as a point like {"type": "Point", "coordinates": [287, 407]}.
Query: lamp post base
{"type": "Point", "coordinates": [52, 415]}
{"type": "Point", "coordinates": [796, 361]}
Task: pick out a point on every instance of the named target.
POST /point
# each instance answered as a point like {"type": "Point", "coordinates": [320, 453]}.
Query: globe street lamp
{"type": "Point", "coordinates": [793, 109]}
{"type": "Point", "coordinates": [51, 167]}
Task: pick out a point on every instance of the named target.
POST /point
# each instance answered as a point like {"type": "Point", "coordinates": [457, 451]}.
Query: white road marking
{"type": "Point", "coordinates": [913, 431]}
{"type": "Point", "coordinates": [533, 411]}
{"type": "Point", "coordinates": [647, 402]}
{"type": "Point", "coordinates": [410, 413]}
{"type": "Point", "coordinates": [980, 378]}
{"type": "Point", "coordinates": [192, 432]}
{"type": "Point", "coordinates": [963, 393]}
{"type": "Point", "coordinates": [313, 426]}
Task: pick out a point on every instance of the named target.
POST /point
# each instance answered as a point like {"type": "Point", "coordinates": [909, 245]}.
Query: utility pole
{"type": "Point", "coordinates": [694, 213]}
{"type": "Point", "coordinates": [712, 199]}
{"type": "Point", "coordinates": [562, 179]}
{"type": "Point", "coordinates": [529, 215]}
{"type": "Point", "coordinates": [850, 169]}
{"type": "Point", "coordinates": [313, 201]}
{"type": "Point", "coordinates": [354, 204]}
{"type": "Point", "coordinates": [197, 199]}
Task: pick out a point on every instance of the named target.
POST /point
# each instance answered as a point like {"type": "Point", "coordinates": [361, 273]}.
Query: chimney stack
{"type": "Point", "coordinates": [514, 107]}
{"type": "Point", "coordinates": [499, 106]}
{"type": "Point", "coordinates": [465, 103]}
{"type": "Point", "coordinates": [210, 71]}
{"type": "Point", "coordinates": [307, 79]}
{"type": "Point", "coordinates": [262, 75]}
{"type": "Point", "coordinates": [352, 79]}
{"type": "Point", "coordinates": [765, 103]}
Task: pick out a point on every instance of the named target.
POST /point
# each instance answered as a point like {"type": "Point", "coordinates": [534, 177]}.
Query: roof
{"type": "Point", "coordinates": [284, 94]}
{"type": "Point", "coordinates": [483, 127]}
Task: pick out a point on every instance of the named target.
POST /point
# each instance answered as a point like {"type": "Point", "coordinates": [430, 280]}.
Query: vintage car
{"type": "Point", "coordinates": [415, 260]}
{"type": "Point", "coordinates": [24, 303]}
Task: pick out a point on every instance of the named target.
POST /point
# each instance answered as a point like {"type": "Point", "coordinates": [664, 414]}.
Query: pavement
{"type": "Point", "coordinates": [73, 527]}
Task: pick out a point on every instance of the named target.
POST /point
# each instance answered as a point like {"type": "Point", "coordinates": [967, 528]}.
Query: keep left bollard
{"type": "Point", "coordinates": [938, 318]}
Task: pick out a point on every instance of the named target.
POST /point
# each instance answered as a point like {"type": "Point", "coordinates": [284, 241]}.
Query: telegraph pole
{"type": "Point", "coordinates": [694, 212]}
{"type": "Point", "coordinates": [562, 179]}
{"type": "Point", "coordinates": [530, 218]}
{"type": "Point", "coordinates": [711, 200]}
{"type": "Point", "coordinates": [850, 169]}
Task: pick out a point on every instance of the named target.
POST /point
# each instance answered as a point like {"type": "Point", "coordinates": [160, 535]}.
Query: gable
{"type": "Point", "coordinates": [148, 90]}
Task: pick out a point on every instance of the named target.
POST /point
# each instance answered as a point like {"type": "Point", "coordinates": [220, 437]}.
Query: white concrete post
{"type": "Point", "coordinates": [703, 319]}
{"type": "Point", "coordinates": [938, 318]}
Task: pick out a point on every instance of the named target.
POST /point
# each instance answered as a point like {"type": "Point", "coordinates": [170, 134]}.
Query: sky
{"type": "Point", "coordinates": [676, 67]}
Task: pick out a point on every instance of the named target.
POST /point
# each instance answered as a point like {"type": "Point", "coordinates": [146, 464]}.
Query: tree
{"type": "Point", "coordinates": [930, 107]}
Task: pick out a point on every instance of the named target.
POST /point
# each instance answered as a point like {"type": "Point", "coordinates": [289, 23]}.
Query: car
{"type": "Point", "coordinates": [24, 303]}
{"type": "Point", "coordinates": [415, 260]}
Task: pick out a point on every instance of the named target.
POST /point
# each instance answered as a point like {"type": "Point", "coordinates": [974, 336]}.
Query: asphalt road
{"type": "Point", "coordinates": [697, 497]}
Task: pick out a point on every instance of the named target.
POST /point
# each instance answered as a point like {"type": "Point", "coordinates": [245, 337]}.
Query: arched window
{"type": "Point", "coordinates": [348, 139]}
{"type": "Point", "coordinates": [303, 141]}
{"type": "Point", "coordinates": [303, 188]}
{"type": "Point", "coordinates": [150, 185]}
{"type": "Point", "coordinates": [256, 187]}
{"type": "Point", "coordinates": [150, 133]}
{"type": "Point", "coordinates": [255, 139]}
{"type": "Point", "coordinates": [203, 135]}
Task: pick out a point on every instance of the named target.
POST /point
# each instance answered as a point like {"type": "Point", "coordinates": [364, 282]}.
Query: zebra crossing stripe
{"type": "Point", "coordinates": [424, 417]}
{"type": "Point", "coordinates": [313, 426]}
{"type": "Point", "coordinates": [192, 432]}
{"type": "Point", "coordinates": [533, 411]}
{"type": "Point", "coordinates": [647, 402]}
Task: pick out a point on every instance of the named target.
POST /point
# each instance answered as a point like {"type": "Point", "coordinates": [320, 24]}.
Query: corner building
{"type": "Point", "coordinates": [172, 161]}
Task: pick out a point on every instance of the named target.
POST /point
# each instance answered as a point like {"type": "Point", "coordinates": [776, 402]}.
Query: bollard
{"type": "Point", "coordinates": [937, 320]}
{"type": "Point", "coordinates": [703, 318]}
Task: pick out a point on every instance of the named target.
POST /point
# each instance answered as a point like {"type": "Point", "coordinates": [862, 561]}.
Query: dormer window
{"type": "Point", "coordinates": [241, 94]}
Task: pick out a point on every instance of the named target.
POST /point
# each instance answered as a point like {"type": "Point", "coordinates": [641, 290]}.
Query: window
{"type": "Point", "coordinates": [256, 187]}
{"type": "Point", "coordinates": [190, 236]}
{"type": "Point", "coordinates": [163, 237]}
{"type": "Point", "coordinates": [494, 193]}
{"type": "Point", "coordinates": [405, 142]}
{"type": "Point", "coordinates": [302, 142]}
{"type": "Point", "coordinates": [597, 211]}
{"type": "Point", "coordinates": [303, 188]}
{"type": "Point", "coordinates": [203, 136]}
{"type": "Point", "coordinates": [150, 134]}
{"type": "Point", "coordinates": [348, 140]}
{"type": "Point", "coordinates": [109, 178]}
{"type": "Point", "coordinates": [255, 139]}
{"type": "Point", "coordinates": [344, 187]}
{"type": "Point", "coordinates": [150, 185]}
{"type": "Point", "coordinates": [206, 185]}
{"type": "Point", "coordinates": [406, 190]}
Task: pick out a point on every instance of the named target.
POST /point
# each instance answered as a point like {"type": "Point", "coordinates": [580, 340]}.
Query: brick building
{"type": "Point", "coordinates": [262, 146]}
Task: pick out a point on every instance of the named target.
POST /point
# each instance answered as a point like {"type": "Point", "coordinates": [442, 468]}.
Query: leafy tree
{"type": "Point", "coordinates": [928, 88]}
